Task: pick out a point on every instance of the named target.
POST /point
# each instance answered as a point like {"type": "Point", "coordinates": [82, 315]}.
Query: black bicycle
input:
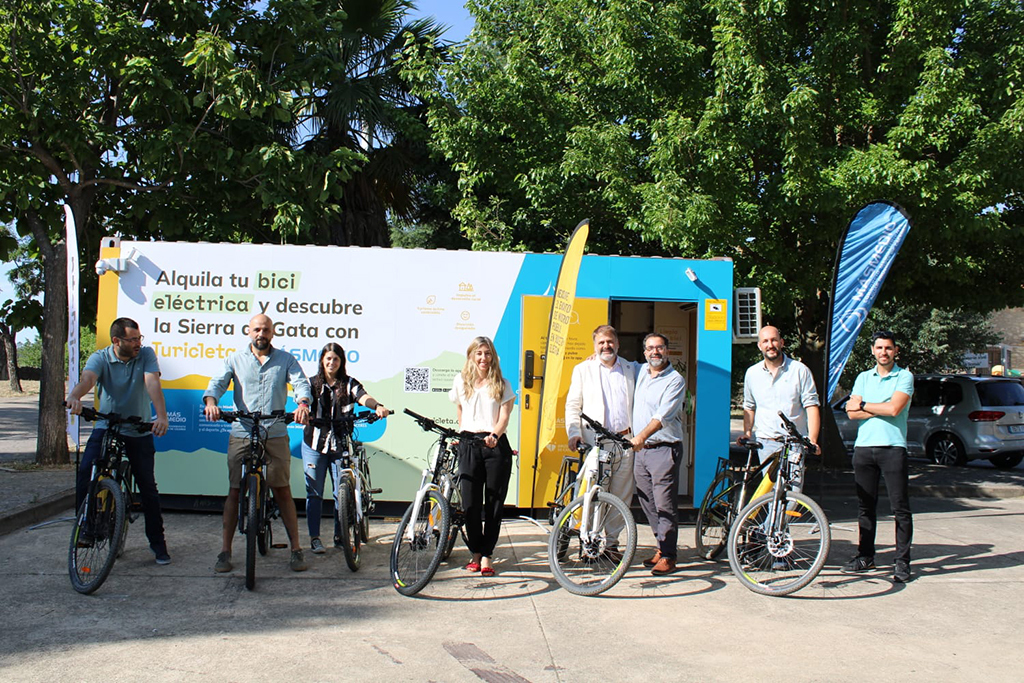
{"type": "Point", "coordinates": [101, 525]}
{"type": "Point", "coordinates": [428, 530]}
{"type": "Point", "coordinates": [256, 505]}
{"type": "Point", "coordinates": [730, 490]}
{"type": "Point", "coordinates": [350, 472]}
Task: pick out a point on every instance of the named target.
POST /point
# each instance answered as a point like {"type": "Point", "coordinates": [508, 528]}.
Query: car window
{"type": "Point", "coordinates": [952, 393]}
{"type": "Point", "coordinates": [926, 393]}
{"type": "Point", "coordinates": [1008, 393]}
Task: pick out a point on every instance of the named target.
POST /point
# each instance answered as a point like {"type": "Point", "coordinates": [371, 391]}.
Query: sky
{"type": "Point", "coordinates": [450, 13]}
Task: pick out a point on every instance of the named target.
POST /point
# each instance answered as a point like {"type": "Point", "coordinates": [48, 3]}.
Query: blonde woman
{"type": "Point", "coordinates": [484, 399]}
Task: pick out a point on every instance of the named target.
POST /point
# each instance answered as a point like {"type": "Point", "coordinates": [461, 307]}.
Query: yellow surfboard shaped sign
{"type": "Point", "coordinates": [558, 330]}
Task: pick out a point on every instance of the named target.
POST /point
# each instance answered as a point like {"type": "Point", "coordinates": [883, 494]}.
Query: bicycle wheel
{"type": "Point", "coordinates": [252, 529]}
{"type": "Point", "coordinates": [715, 516]}
{"type": "Point", "coordinates": [455, 508]}
{"type": "Point", "coordinates": [128, 519]}
{"type": "Point", "coordinates": [414, 560]}
{"type": "Point", "coordinates": [349, 523]}
{"type": "Point", "coordinates": [777, 554]}
{"type": "Point", "coordinates": [265, 539]}
{"type": "Point", "coordinates": [95, 541]}
{"type": "Point", "coordinates": [592, 560]}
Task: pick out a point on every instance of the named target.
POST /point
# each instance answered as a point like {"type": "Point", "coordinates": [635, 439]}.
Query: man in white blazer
{"type": "Point", "coordinates": [602, 387]}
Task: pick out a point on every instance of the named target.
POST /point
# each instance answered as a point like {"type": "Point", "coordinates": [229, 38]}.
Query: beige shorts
{"type": "Point", "coordinates": [279, 461]}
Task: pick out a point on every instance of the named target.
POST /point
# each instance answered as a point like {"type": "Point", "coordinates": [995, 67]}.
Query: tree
{"type": "Point", "coordinates": [930, 339]}
{"type": "Point", "coordinates": [750, 130]}
{"type": "Point", "coordinates": [362, 101]}
{"type": "Point", "coordinates": [153, 119]}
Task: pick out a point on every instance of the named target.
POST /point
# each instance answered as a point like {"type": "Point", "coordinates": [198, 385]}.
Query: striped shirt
{"type": "Point", "coordinates": [330, 402]}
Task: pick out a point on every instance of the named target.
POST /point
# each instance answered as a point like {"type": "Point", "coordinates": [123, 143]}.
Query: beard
{"type": "Point", "coordinates": [261, 344]}
{"type": "Point", "coordinates": [607, 356]}
{"type": "Point", "coordinates": [657, 363]}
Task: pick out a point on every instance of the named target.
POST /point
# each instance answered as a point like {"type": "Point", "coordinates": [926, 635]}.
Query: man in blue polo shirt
{"type": "Point", "coordinates": [881, 398]}
{"type": "Point", "coordinates": [129, 380]}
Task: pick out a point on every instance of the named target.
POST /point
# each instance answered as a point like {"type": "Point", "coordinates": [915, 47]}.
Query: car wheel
{"type": "Point", "coordinates": [946, 449]}
{"type": "Point", "coordinates": [1006, 462]}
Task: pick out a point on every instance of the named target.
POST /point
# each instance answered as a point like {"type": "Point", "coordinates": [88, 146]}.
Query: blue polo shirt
{"type": "Point", "coordinates": [873, 388]}
{"type": "Point", "coordinates": [661, 398]}
{"type": "Point", "coordinates": [122, 385]}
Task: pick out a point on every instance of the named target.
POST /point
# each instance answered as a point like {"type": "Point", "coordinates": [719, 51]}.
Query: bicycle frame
{"type": "Point", "coordinates": [436, 478]}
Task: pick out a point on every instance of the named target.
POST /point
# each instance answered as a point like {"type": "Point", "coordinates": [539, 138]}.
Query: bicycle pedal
{"type": "Point", "coordinates": [376, 491]}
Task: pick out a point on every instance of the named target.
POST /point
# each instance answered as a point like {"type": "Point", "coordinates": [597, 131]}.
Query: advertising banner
{"type": "Point", "coordinates": [71, 244]}
{"type": "Point", "coordinates": [865, 254]}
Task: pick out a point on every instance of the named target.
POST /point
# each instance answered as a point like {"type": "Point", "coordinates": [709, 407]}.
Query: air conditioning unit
{"type": "Point", "coordinates": [747, 314]}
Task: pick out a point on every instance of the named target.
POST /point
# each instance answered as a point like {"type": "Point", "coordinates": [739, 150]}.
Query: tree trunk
{"type": "Point", "coordinates": [812, 324]}
{"type": "Point", "coordinates": [10, 357]}
{"type": "Point", "coordinates": [52, 440]}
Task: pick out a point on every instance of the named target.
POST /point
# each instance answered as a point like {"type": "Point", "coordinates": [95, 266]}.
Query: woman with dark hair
{"type": "Point", "coordinates": [334, 395]}
{"type": "Point", "coordinates": [484, 399]}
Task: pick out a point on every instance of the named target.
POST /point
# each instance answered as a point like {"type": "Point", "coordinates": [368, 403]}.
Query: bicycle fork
{"type": "Point", "coordinates": [426, 485]}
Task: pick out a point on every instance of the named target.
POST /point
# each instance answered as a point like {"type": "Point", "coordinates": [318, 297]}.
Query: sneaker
{"type": "Point", "coordinates": [298, 562]}
{"type": "Point", "coordinates": [317, 547]}
{"type": "Point", "coordinates": [858, 565]}
{"type": "Point", "coordinates": [160, 550]}
{"type": "Point", "coordinates": [223, 563]}
{"type": "Point", "coordinates": [902, 572]}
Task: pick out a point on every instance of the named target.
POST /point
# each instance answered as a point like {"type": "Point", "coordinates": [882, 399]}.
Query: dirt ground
{"type": "Point", "coordinates": [31, 388]}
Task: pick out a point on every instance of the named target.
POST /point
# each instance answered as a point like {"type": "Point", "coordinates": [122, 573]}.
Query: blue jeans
{"type": "Point", "coordinates": [314, 466]}
{"type": "Point", "coordinates": [141, 455]}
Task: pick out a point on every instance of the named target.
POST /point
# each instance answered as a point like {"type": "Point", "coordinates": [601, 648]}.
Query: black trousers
{"type": "Point", "coordinates": [869, 465]}
{"type": "Point", "coordinates": [483, 483]}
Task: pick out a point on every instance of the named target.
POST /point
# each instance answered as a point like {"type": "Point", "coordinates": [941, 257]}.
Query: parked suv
{"type": "Point", "coordinates": [956, 418]}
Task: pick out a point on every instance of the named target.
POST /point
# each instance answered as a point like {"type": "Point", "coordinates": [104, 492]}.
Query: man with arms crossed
{"type": "Point", "coordinates": [129, 379]}
{"type": "Point", "coordinates": [881, 398]}
{"type": "Point", "coordinates": [658, 440]}
{"type": "Point", "coordinates": [778, 383]}
{"type": "Point", "coordinates": [602, 387]}
{"type": "Point", "coordinates": [261, 374]}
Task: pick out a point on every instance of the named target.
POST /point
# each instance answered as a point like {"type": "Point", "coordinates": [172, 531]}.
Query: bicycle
{"type": "Point", "coordinates": [101, 526]}
{"type": "Point", "coordinates": [427, 533]}
{"type": "Point", "coordinates": [727, 494]}
{"type": "Point", "coordinates": [256, 505]}
{"type": "Point", "coordinates": [586, 550]}
{"type": "Point", "coordinates": [779, 542]}
{"type": "Point", "coordinates": [353, 493]}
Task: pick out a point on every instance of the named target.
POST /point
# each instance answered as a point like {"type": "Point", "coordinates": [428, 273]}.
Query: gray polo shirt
{"type": "Point", "coordinates": [122, 385]}
{"type": "Point", "coordinates": [791, 391]}
{"type": "Point", "coordinates": [660, 398]}
{"type": "Point", "coordinates": [260, 387]}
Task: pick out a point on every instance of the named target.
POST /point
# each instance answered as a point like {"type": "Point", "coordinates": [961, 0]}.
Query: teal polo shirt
{"type": "Point", "coordinates": [873, 388]}
{"type": "Point", "coordinates": [122, 386]}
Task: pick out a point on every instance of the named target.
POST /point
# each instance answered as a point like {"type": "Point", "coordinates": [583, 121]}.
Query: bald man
{"type": "Point", "coordinates": [261, 374]}
{"type": "Point", "coordinates": [778, 383]}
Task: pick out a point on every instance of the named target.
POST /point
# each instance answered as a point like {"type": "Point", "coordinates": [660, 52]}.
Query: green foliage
{"type": "Point", "coordinates": [748, 130]}
{"type": "Point", "coordinates": [30, 353]}
{"type": "Point", "coordinates": [930, 339]}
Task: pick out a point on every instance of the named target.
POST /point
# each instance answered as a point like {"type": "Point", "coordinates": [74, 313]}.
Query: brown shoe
{"type": "Point", "coordinates": [653, 560]}
{"type": "Point", "coordinates": [666, 565]}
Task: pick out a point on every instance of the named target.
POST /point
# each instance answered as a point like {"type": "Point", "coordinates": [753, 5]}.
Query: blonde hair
{"type": "Point", "coordinates": [494, 381]}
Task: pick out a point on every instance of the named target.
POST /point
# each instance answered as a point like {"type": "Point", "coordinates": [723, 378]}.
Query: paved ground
{"type": "Point", "coordinates": [183, 622]}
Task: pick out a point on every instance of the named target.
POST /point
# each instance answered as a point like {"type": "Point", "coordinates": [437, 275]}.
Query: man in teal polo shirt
{"type": "Point", "coordinates": [129, 384]}
{"type": "Point", "coordinates": [881, 398]}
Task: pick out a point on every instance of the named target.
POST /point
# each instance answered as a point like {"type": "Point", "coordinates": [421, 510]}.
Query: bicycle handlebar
{"type": "Point", "coordinates": [345, 422]}
{"type": "Point", "coordinates": [428, 425]}
{"type": "Point", "coordinates": [600, 429]}
{"type": "Point", "coordinates": [795, 434]}
{"type": "Point", "coordinates": [256, 417]}
{"type": "Point", "coordinates": [91, 415]}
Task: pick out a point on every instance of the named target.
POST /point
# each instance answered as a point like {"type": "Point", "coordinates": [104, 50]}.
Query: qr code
{"type": "Point", "coordinates": [417, 380]}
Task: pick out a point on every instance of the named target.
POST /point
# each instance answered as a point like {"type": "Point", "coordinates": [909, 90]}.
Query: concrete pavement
{"type": "Point", "coordinates": [956, 621]}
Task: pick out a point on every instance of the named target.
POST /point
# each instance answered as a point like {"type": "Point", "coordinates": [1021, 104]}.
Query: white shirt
{"type": "Point", "coordinates": [479, 411]}
{"type": "Point", "coordinates": [791, 390]}
{"type": "Point", "coordinates": [613, 387]}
